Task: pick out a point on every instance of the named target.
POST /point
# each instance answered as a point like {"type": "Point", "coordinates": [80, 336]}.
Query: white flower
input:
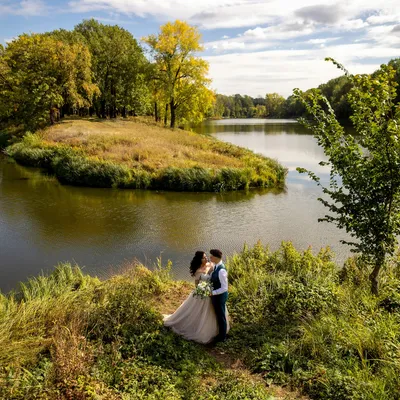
{"type": "Point", "coordinates": [203, 290]}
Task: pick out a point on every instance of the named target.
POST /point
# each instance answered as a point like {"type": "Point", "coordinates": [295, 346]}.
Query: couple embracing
{"type": "Point", "coordinates": [204, 319]}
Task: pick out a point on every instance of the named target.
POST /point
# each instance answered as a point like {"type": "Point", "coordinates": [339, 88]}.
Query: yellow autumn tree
{"type": "Point", "coordinates": [179, 73]}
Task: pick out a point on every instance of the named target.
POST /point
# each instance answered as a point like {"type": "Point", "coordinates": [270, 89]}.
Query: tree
{"type": "Point", "coordinates": [39, 74]}
{"type": "Point", "coordinates": [293, 107]}
{"type": "Point", "coordinates": [367, 200]}
{"type": "Point", "coordinates": [119, 66]}
{"type": "Point", "coordinates": [395, 64]}
{"type": "Point", "coordinates": [274, 104]}
{"type": "Point", "coordinates": [336, 90]}
{"type": "Point", "coordinates": [179, 71]}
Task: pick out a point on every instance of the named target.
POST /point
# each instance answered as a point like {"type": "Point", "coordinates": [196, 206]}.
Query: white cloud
{"type": "Point", "coordinates": [384, 17]}
{"type": "Point", "coordinates": [212, 14]}
{"type": "Point", "coordinates": [225, 37]}
{"type": "Point", "coordinates": [24, 7]}
{"type": "Point", "coordinates": [322, 41]}
{"type": "Point", "coordinates": [282, 70]}
{"type": "Point", "coordinates": [32, 7]}
{"type": "Point", "coordinates": [384, 35]}
{"type": "Point", "coordinates": [225, 45]}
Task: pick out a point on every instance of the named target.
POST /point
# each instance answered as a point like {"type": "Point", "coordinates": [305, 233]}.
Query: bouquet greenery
{"type": "Point", "coordinates": [203, 289]}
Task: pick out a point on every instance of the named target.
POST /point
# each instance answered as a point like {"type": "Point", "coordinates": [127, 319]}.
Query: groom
{"type": "Point", "coordinates": [219, 280]}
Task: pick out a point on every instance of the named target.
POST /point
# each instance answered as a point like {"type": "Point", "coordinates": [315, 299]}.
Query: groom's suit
{"type": "Point", "coordinates": [219, 280]}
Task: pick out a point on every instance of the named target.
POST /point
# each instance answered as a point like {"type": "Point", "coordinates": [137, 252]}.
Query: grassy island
{"type": "Point", "coordinates": [139, 154]}
{"type": "Point", "coordinates": [298, 321]}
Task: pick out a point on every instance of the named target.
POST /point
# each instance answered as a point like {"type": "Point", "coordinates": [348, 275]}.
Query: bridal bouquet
{"type": "Point", "coordinates": [203, 289]}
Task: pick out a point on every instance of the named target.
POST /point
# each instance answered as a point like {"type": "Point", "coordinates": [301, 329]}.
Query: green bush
{"type": "Point", "coordinates": [301, 320]}
{"type": "Point", "coordinates": [81, 171]}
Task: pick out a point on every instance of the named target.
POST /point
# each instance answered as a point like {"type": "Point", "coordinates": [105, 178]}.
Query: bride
{"type": "Point", "coordinates": [195, 318]}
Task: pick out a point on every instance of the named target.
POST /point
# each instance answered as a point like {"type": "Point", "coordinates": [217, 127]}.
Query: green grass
{"type": "Point", "coordinates": [138, 155]}
{"type": "Point", "coordinates": [70, 336]}
{"type": "Point", "coordinates": [297, 321]}
{"type": "Point", "coordinates": [302, 321]}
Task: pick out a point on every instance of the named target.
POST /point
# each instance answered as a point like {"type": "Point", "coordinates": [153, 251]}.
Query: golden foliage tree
{"type": "Point", "coordinates": [181, 75]}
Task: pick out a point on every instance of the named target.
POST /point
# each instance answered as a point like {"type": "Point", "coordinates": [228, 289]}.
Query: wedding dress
{"type": "Point", "coordinates": [195, 318]}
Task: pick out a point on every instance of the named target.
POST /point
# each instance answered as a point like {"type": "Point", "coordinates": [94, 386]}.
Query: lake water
{"type": "Point", "coordinates": [43, 222]}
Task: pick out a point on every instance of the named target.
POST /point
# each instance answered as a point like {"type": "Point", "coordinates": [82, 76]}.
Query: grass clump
{"type": "Point", "coordinates": [135, 155]}
{"type": "Point", "coordinates": [70, 336]}
{"type": "Point", "coordinates": [302, 321]}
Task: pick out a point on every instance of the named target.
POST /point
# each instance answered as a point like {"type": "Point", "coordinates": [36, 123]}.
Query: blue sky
{"type": "Point", "coordinates": [253, 47]}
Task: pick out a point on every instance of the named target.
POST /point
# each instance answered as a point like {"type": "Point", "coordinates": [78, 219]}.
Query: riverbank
{"type": "Point", "coordinates": [297, 321]}
{"type": "Point", "coordinates": [142, 155]}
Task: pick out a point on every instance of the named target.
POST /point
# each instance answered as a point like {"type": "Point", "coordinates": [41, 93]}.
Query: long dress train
{"type": "Point", "coordinates": [195, 318]}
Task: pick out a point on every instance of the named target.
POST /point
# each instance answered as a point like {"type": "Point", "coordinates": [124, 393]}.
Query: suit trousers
{"type": "Point", "coordinates": [219, 303]}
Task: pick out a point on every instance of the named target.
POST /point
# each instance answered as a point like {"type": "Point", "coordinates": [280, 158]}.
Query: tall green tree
{"type": "Point", "coordinates": [39, 74]}
{"type": "Point", "coordinates": [274, 103]}
{"type": "Point", "coordinates": [180, 73]}
{"type": "Point", "coordinates": [364, 185]}
{"type": "Point", "coordinates": [119, 69]}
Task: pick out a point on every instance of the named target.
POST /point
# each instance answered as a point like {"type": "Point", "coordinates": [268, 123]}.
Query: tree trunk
{"type": "Point", "coordinates": [166, 115]}
{"type": "Point", "coordinates": [103, 109]}
{"type": "Point", "coordinates": [155, 111]}
{"type": "Point", "coordinates": [51, 115]}
{"type": "Point", "coordinates": [172, 107]}
{"type": "Point", "coordinates": [373, 277]}
{"type": "Point", "coordinates": [113, 108]}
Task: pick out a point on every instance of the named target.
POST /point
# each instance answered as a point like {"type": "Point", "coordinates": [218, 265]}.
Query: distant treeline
{"type": "Point", "coordinates": [274, 105]}
{"type": "Point", "coordinates": [101, 70]}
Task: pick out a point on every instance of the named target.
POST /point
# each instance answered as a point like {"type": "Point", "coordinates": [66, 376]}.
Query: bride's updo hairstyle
{"type": "Point", "coordinates": [196, 262]}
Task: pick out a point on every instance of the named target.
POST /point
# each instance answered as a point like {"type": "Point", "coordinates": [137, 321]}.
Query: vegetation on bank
{"type": "Point", "coordinates": [70, 336]}
{"type": "Point", "coordinates": [139, 155]}
{"type": "Point", "coordinates": [297, 321]}
{"type": "Point", "coordinates": [101, 70]}
{"type": "Point", "coordinates": [273, 105]}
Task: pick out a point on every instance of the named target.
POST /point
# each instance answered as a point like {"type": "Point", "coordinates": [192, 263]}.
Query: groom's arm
{"type": "Point", "coordinates": [223, 278]}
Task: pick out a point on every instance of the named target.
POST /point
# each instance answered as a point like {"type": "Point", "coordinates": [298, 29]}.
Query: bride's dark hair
{"type": "Point", "coordinates": [196, 262]}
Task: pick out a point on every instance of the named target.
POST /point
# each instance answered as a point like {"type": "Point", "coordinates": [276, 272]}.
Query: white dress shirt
{"type": "Point", "coordinates": [223, 278]}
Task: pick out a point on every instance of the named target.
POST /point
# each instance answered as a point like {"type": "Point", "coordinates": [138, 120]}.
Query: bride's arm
{"type": "Point", "coordinates": [197, 277]}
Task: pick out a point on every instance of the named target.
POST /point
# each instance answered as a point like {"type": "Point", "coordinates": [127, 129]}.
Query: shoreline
{"type": "Point", "coordinates": [124, 154]}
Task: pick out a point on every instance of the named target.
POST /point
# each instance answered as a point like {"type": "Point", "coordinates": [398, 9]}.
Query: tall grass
{"type": "Point", "coordinates": [297, 320]}
{"type": "Point", "coordinates": [305, 322]}
{"type": "Point", "coordinates": [70, 336]}
{"type": "Point", "coordinates": [164, 159]}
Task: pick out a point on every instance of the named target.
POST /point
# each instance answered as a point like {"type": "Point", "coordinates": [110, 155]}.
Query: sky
{"type": "Point", "coordinates": [253, 47]}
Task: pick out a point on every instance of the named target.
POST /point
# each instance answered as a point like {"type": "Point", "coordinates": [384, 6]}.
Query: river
{"type": "Point", "coordinates": [102, 230]}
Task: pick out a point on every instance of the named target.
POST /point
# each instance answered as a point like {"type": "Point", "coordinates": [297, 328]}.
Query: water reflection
{"type": "Point", "coordinates": [43, 222]}
{"type": "Point", "coordinates": [272, 126]}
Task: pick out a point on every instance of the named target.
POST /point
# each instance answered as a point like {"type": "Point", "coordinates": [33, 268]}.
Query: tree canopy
{"type": "Point", "coordinates": [39, 75]}
{"type": "Point", "coordinates": [365, 166]}
{"type": "Point", "coordinates": [181, 76]}
{"type": "Point", "coordinates": [119, 68]}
